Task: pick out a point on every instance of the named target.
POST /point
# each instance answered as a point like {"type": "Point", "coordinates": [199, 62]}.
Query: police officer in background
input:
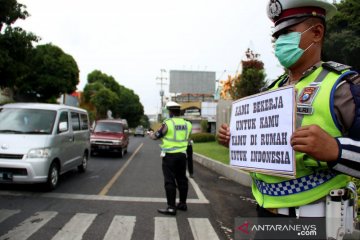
{"type": "Point", "coordinates": [174, 133]}
{"type": "Point", "coordinates": [189, 154]}
{"type": "Point", "coordinates": [326, 139]}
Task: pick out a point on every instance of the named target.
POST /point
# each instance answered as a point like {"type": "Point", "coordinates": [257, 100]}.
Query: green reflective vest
{"type": "Point", "coordinates": [324, 80]}
{"type": "Point", "coordinates": [177, 135]}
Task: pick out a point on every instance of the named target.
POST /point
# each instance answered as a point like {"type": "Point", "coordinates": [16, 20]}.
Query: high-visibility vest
{"type": "Point", "coordinates": [313, 180]}
{"type": "Point", "coordinates": [177, 135]}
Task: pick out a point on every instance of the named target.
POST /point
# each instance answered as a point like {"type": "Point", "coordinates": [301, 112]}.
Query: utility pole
{"type": "Point", "coordinates": [161, 83]}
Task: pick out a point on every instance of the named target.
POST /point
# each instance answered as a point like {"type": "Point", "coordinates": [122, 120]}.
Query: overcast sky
{"type": "Point", "coordinates": [132, 40]}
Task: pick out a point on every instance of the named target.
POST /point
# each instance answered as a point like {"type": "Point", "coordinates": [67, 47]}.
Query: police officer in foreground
{"type": "Point", "coordinates": [174, 133]}
{"type": "Point", "coordinates": [326, 139]}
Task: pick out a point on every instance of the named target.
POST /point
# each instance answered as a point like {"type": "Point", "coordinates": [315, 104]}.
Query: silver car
{"type": "Point", "coordinates": [38, 142]}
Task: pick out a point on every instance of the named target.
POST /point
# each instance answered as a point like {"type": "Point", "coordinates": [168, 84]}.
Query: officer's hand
{"type": "Point", "coordinates": [315, 142]}
{"type": "Point", "coordinates": [224, 135]}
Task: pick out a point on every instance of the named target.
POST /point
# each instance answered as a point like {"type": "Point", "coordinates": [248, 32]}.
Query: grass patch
{"type": "Point", "coordinates": [213, 150]}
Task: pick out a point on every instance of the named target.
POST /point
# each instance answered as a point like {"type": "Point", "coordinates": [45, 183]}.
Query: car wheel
{"type": "Point", "coordinates": [121, 153]}
{"type": "Point", "coordinates": [82, 167]}
{"type": "Point", "coordinates": [53, 177]}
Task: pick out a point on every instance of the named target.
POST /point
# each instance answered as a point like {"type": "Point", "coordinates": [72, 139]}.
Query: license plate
{"type": "Point", "coordinates": [103, 147]}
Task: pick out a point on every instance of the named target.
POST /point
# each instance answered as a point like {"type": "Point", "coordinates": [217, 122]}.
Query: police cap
{"type": "Point", "coordinates": [286, 13]}
{"type": "Point", "coordinates": [172, 105]}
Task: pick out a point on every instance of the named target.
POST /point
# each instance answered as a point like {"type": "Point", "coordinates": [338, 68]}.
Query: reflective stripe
{"type": "Point", "coordinates": [322, 75]}
{"type": "Point", "coordinates": [175, 137]}
{"type": "Point", "coordinates": [171, 149]}
{"type": "Point", "coordinates": [294, 185]}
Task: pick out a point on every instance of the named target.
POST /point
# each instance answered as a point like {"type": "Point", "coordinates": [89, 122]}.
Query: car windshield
{"type": "Point", "coordinates": [26, 121]}
{"type": "Point", "coordinates": [108, 127]}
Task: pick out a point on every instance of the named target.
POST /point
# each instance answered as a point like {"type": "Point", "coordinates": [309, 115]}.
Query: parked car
{"type": "Point", "coordinates": [110, 136]}
{"type": "Point", "coordinates": [39, 142]}
{"type": "Point", "coordinates": [139, 131]}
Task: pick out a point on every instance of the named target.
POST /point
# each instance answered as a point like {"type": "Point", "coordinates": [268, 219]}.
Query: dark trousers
{"type": "Point", "coordinates": [174, 170]}
{"type": "Point", "coordinates": [189, 153]}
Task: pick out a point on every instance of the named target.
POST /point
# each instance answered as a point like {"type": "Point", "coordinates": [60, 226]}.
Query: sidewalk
{"type": "Point", "coordinates": [227, 171]}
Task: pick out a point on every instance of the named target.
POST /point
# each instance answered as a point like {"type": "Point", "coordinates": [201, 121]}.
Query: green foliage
{"type": "Point", "coordinates": [342, 41]}
{"type": "Point", "coordinates": [144, 121]}
{"type": "Point", "coordinates": [204, 126]}
{"type": "Point", "coordinates": [252, 78]}
{"type": "Point", "coordinates": [53, 73]}
{"type": "Point", "coordinates": [105, 93]}
{"type": "Point", "coordinates": [202, 137]}
{"type": "Point", "coordinates": [10, 11]}
{"type": "Point", "coordinates": [15, 52]}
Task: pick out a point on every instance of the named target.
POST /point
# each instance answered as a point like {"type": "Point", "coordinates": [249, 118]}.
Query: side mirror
{"type": "Point", "coordinates": [63, 126]}
{"type": "Point", "coordinates": [126, 131]}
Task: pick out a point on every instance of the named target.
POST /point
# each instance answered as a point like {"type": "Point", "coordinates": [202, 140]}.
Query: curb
{"type": "Point", "coordinates": [227, 171]}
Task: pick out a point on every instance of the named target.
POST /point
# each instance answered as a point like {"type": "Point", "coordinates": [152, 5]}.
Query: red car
{"type": "Point", "coordinates": [109, 136]}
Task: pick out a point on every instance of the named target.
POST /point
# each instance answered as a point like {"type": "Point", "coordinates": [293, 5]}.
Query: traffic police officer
{"type": "Point", "coordinates": [326, 141]}
{"type": "Point", "coordinates": [174, 133]}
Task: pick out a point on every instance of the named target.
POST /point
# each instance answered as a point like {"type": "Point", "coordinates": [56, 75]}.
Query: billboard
{"type": "Point", "coordinates": [199, 82]}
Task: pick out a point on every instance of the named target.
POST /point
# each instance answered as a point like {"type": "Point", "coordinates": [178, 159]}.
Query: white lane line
{"type": "Point", "coordinates": [121, 227]}
{"type": "Point", "coordinates": [198, 191]}
{"type": "Point", "coordinates": [166, 229]}
{"type": "Point", "coordinates": [96, 197]}
{"type": "Point", "coordinates": [76, 227]}
{"type": "Point", "coordinates": [105, 190]}
{"type": "Point", "coordinates": [28, 227]}
{"type": "Point", "coordinates": [202, 229]}
{"type": "Point", "coordinates": [6, 213]}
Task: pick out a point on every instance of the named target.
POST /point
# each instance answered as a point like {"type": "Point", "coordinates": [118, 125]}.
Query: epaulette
{"type": "Point", "coordinates": [335, 67]}
{"type": "Point", "coordinates": [280, 78]}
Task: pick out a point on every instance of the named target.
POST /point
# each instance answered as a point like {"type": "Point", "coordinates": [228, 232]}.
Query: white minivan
{"type": "Point", "coordinates": [40, 141]}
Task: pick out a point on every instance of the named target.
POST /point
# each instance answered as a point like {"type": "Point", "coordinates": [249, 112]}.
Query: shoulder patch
{"type": "Point", "coordinates": [336, 67]}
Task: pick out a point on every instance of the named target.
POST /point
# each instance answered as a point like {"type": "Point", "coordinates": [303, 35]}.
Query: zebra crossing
{"type": "Point", "coordinates": [121, 227]}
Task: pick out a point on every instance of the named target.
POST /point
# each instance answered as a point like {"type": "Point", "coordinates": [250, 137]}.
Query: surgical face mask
{"type": "Point", "coordinates": [287, 48]}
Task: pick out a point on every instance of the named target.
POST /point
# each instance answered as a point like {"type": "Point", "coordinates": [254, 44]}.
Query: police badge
{"type": "Point", "coordinates": [274, 9]}
{"type": "Point", "coordinates": [306, 99]}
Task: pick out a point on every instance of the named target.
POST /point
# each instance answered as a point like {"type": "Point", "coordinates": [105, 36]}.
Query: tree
{"type": "Point", "coordinates": [10, 11]}
{"type": "Point", "coordinates": [251, 80]}
{"type": "Point", "coordinates": [53, 73]}
{"type": "Point", "coordinates": [252, 76]}
{"type": "Point", "coordinates": [342, 43]}
{"type": "Point", "coordinates": [15, 44]}
{"type": "Point", "coordinates": [122, 102]}
{"type": "Point", "coordinates": [15, 53]}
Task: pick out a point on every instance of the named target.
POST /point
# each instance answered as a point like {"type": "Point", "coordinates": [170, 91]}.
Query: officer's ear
{"type": "Point", "coordinates": [318, 31]}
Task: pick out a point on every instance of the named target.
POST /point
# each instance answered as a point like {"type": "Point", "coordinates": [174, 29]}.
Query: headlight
{"type": "Point", "coordinates": [117, 142]}
{"type": "Point", "coordinates": [39, 153]}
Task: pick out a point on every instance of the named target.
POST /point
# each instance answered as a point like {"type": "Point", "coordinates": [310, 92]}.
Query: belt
{"type": "Point", "coordinates": [309, 210]}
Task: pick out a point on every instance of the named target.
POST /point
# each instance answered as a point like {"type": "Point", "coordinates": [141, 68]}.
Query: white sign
{"type": "Point", "coordinates": [261, 127]}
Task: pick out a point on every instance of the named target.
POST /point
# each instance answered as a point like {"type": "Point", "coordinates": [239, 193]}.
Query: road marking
{"type": "Point", "coordinates": [121, 227]}
{"type": "Point", "coordinates": [202, 229]}
{"type": "Point", "coordinates": [29, 226]}
{"type": "Point", "coordinates": [198, 191]}
{"type": "Point", "coordinates": [6, 213]}
{"type": "Point", "coordinates": [95, 197]}
{"type": "Point", "coordinates": [105, 190]}
{"type": "Point", "coordinates": [166, 229]}
{"type": "Point", "coordinates": [76, 227]}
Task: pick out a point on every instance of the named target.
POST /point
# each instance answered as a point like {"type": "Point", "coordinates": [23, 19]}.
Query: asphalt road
{"type": "Point", "coordinates": [118, 198]}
